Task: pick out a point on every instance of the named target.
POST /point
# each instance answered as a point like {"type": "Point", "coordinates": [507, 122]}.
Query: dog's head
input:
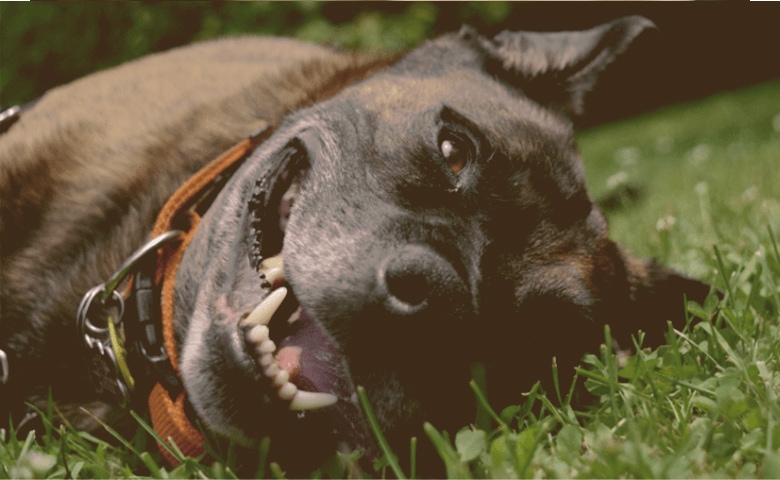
{"type": "Point", "coordinates": [428, 218]}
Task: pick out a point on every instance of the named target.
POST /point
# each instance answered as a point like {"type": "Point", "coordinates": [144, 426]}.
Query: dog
{"type": "Point", "coordinates": [404, 218]}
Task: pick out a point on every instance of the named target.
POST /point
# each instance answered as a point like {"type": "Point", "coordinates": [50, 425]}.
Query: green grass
{"type": "Point", "coordinates": [705, 405]}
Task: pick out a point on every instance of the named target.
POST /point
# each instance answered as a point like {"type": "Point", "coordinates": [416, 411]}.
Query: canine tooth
{"type": "Point", "coordinates": [262, 314]}
{"type": "Point", "coordinates": [273, 269]}
{"type": "Point", "coordinates": [287, 391]}
{"type": "Point", "coordinates": [304, 400]}
{"type": "Point", "coordinates": [257, 334]}
{"type": "Point", "coordinates": [272, 262]}
{"type": "Point", "coordinates": [266, 360]}
{"type": "Point", "coordinates": [266, 347]}
{"type": "Point", "coordinates": [281, 378]}
{"type": "Point", "coordinates": [271, 370]}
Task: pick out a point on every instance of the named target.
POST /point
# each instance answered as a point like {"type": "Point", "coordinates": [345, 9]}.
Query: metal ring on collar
{"type": "Point", "coordinates": [86, 326]}
{"type": "Point", "coordinates": [113, 282]}
{"type": "Point", "coordinates": [4, 371]}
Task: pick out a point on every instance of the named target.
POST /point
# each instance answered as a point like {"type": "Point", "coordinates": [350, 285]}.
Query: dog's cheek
{"type": "Point", "coordinates": [222, 396]}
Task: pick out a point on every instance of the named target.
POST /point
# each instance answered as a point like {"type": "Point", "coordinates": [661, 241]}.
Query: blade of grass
{"type": "Point", "coordinates": [722, 271]}
{"type": "Point", "coordinates": [373, 423]}
{"type": "Point", "coordinates": [276, 471]}
{"type": "Point", "coordinates": [485, 406]}
{"type": "Point", "coordinates": [147, 459]}
{"type": "Point", "coordinates": [561, 419]}
{"type": "Point", "coordinates": [413, 458]}
{"type": "Point", "coordinates": [774, 242]}
{"type": "Point", "coordinates": [28, 442]}
{"type": "Point", "coordinates": [63, 450]}
{"type": "Point", "coordinates": [611, 369]}
{"type": "Point", "coordinates": [697, 347]}
{"type": "Point", "coordinates": [685, 384]}
{"type": "Point", "coordinates": [455, 468]}
{"type": "Point", "coordinates": [176, 453]}
{"type": "Point", "coordinates": [265, 448]}
{"type": "Point", "coordinates": [479, 381]}
{"type": "Point", "coordinates": [556, 385]}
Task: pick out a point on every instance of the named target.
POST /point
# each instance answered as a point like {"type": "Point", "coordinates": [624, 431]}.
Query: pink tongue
{"type": "Point", "coordinates": [289, 359]}
{"type": "Point", "coordinates": [310, 357]}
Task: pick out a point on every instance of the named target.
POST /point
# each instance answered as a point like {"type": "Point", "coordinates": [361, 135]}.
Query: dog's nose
{"type": "Point", "coordinates": [415, 278]}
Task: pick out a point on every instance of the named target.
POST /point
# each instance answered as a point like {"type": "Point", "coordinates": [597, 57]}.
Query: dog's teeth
{"type": "Point", "coordinates": [287, 391]}
{"type": "Point", "coordinates": [266, 347]}
{"type": "Point", "coordinates": [296, 315]}
{"type": "Point", "coordinates": [257, 334]}
{"type": "Point", "coordinates": [281, 378]}
{"type": "Point", "coordinates": [311, 400]}
{"type": "Point", "coordinates": [262, 314]}
{"type": "Point", "coordinates": [272, 262]}
{"type": "Point", "coordinates": [266, 360]}
{"type": "Point", "coordinates": [271, 370]}
{"type": "Point", "coordinates": [273, 269]}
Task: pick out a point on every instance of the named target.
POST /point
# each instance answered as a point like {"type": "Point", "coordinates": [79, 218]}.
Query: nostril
{"type": "Point", "coordinates": [407, 287]}
{"type": "Point", "coordinates": [416, 278]}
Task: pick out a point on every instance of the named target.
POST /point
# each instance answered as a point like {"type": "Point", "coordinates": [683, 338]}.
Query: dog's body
{"type": "Point", "coordinates": [431, 214]}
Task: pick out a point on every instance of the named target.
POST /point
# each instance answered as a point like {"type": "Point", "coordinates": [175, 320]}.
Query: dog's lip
{"type": "Point", "coordinates": [318, 383]}
{"type": "Point", "coordinates": [290, 350]}
{"type": "Point", "coordinates": [300, 368]}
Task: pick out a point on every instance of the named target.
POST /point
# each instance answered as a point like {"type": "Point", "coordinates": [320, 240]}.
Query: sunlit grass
{"type": "Point", "coordinates": [709, 171]}
{"type": "Point", "coordinates": [704, 405]}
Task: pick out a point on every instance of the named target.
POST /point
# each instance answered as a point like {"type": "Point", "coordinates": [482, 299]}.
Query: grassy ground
{"type": "Point", "coordinates": [705, 405]}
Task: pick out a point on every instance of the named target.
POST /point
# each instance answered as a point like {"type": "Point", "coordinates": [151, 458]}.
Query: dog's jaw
{"type": "Point", "coordinates": [286, 369]}
{"type": "Point", "coordinates": [253, 361]}
{"type": "Point", "coordinates": [302, 371]}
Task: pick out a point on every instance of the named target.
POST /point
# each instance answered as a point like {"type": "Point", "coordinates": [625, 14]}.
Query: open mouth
{"type": "Point", "coordinates": [256, 361]}
{"type": "Point", "coordinates": [298, 359]}
{"type": "Point", "coordinates": [289, 348]}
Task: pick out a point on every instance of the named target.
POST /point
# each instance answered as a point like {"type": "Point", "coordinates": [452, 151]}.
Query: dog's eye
{"type": "Point", "coordinates": [454, 154]}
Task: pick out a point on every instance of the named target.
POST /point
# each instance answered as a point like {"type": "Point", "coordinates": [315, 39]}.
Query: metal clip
{"type": "Point", "coordinates": [132, 261]}
{"type": "Point", "coordinates": [4, 371]}
{"type": "Point", "coordinates": [103, 304]}
{"type": "Point", "coordinates": [8, 117]}
{"type": "Point", "coordinates": [146, 328]}
{"type": "Point", "coordinates": [90, 331]}
{"type": "Point", "coordinates": [93, 318]}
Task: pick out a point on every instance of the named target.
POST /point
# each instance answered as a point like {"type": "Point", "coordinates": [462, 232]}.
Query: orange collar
{"type": "Point", "coordinates": [168, 416]}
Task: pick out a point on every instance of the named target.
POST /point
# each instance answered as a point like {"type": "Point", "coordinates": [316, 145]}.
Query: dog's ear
{"type": "Point", "coordinates": [556, 69]}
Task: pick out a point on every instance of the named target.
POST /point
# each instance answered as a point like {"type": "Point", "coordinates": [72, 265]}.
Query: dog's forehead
{"type": "Point", "coordinates": [400, 104]}
{"type": "Point", "coordinates": [392, 95]}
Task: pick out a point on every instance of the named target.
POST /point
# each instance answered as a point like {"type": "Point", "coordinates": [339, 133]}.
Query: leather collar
{"type": "Point", "coordinates": [150, 324]}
